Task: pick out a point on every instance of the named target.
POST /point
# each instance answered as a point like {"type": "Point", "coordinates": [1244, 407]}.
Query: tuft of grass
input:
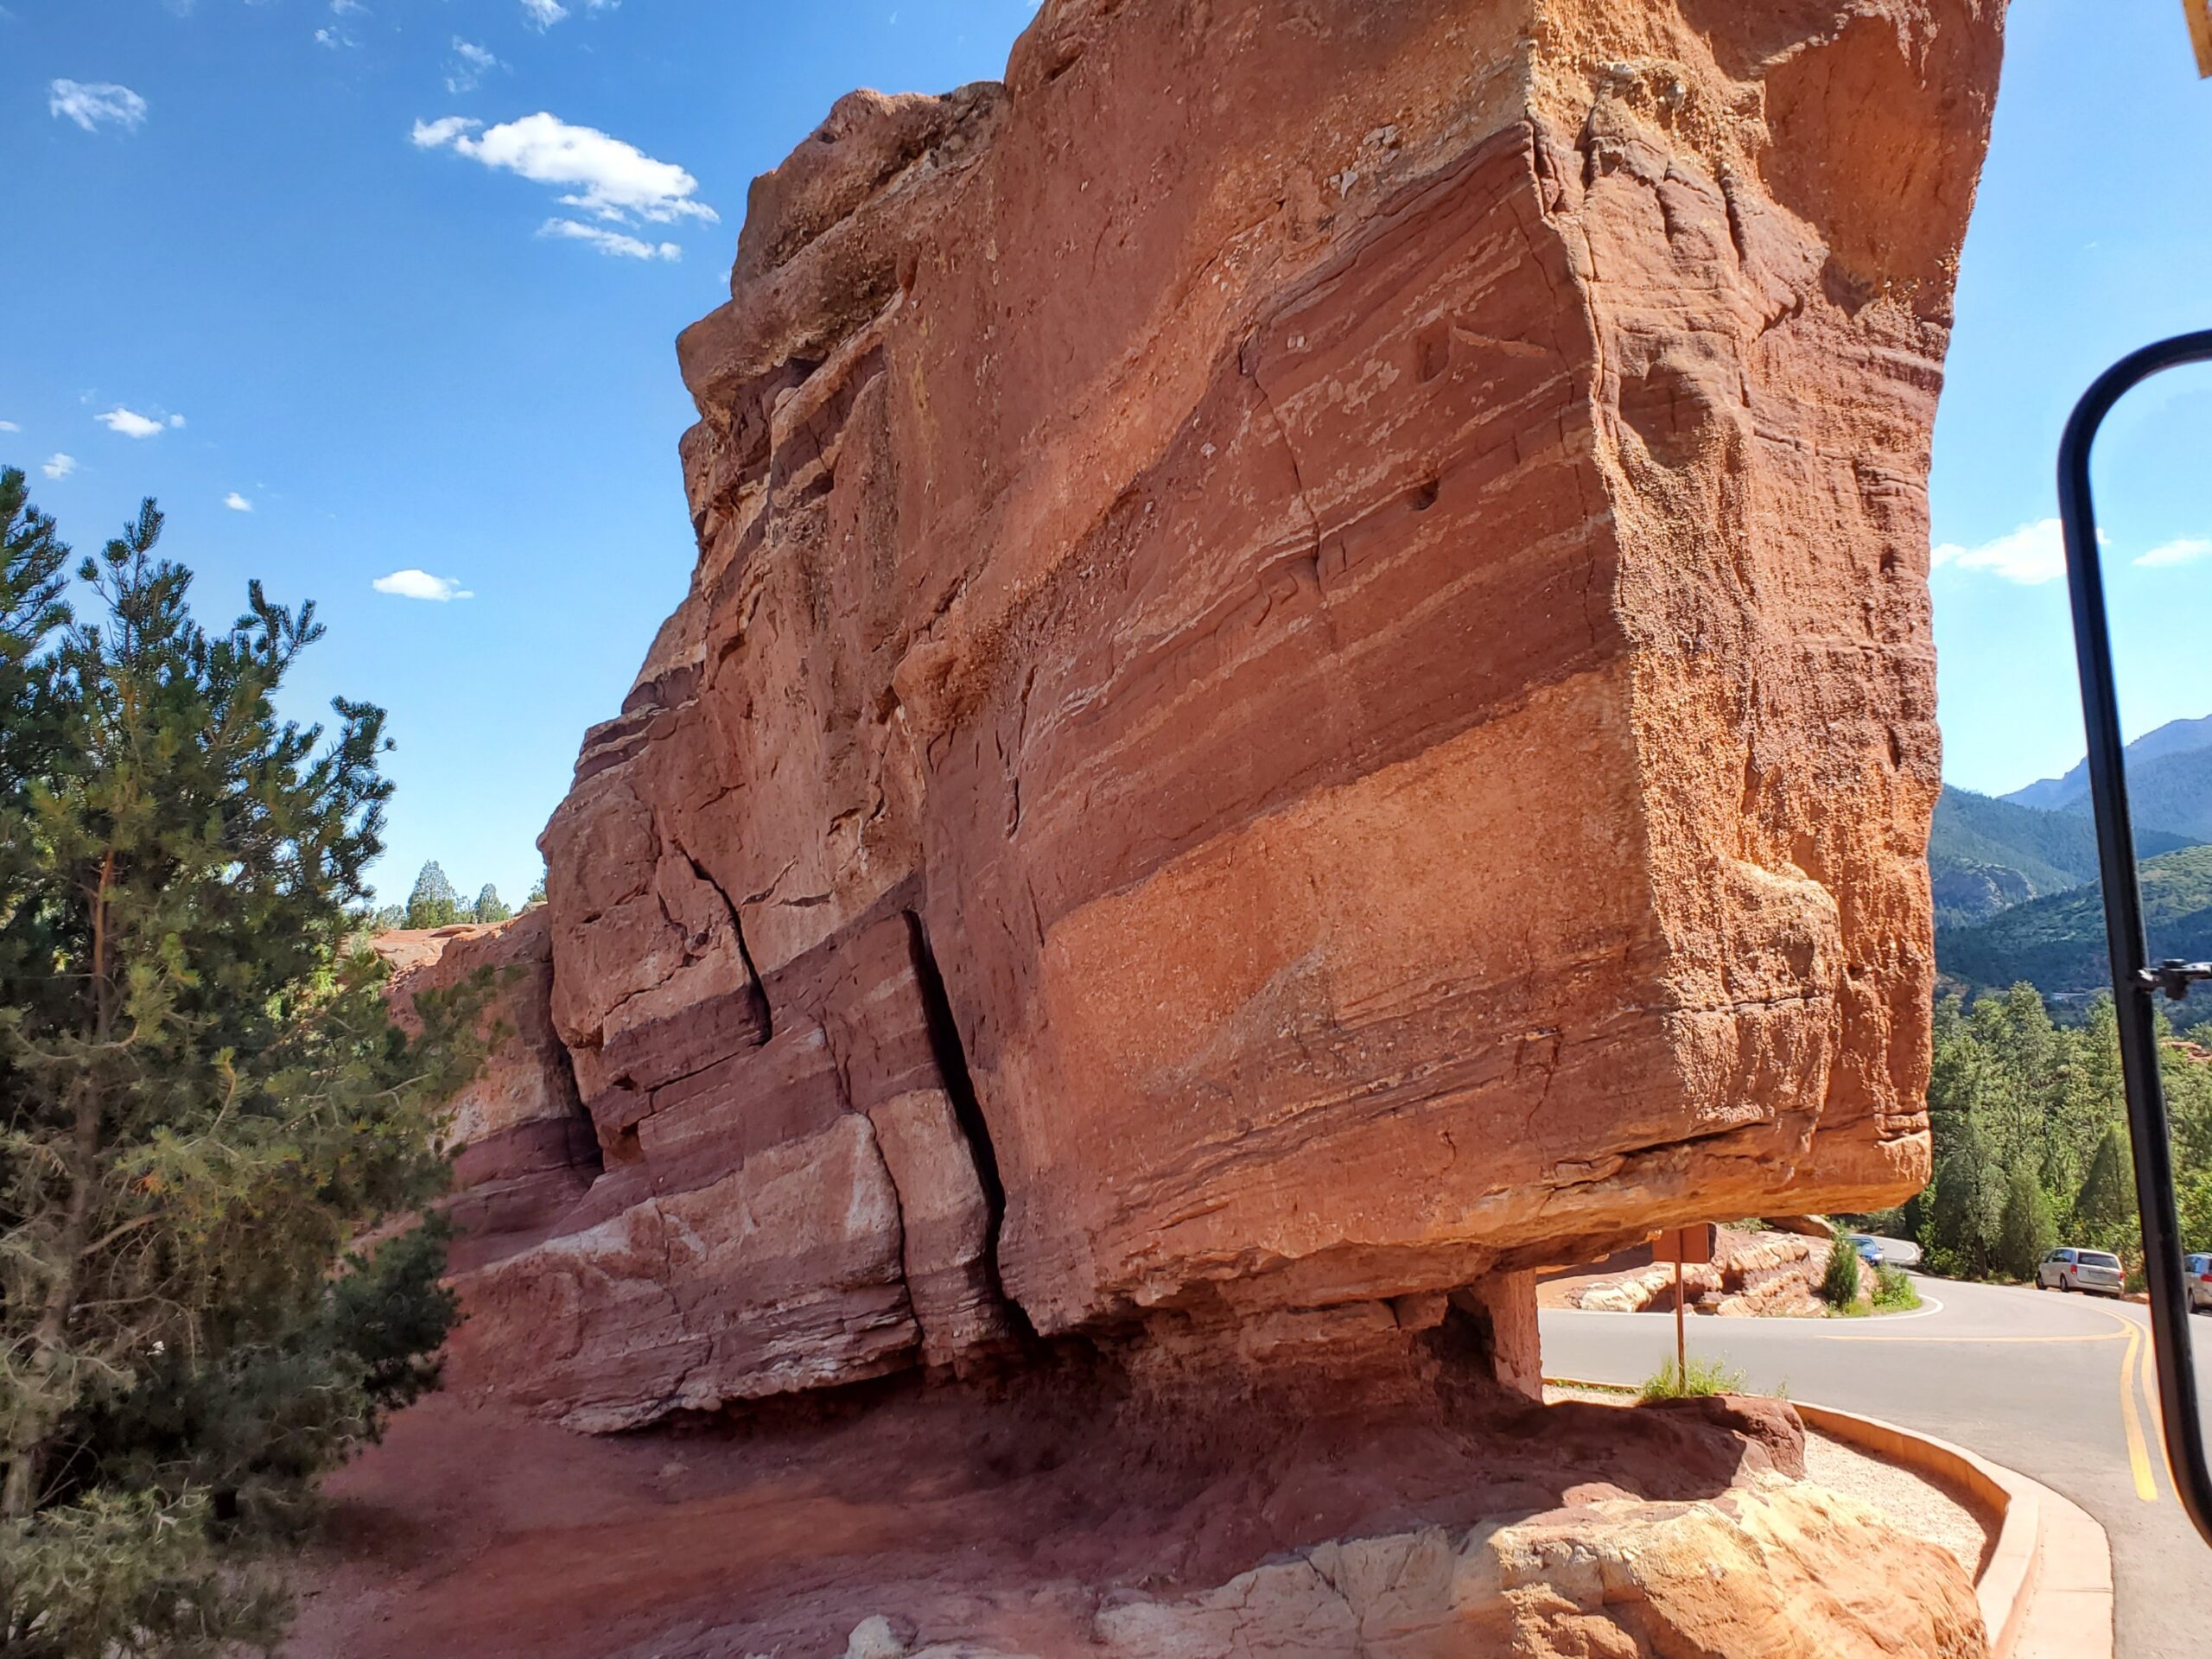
{"type": "Point", "coordinates": [1894, 1290]}
{"type": "Point", "coordinates": [1705, 1378]}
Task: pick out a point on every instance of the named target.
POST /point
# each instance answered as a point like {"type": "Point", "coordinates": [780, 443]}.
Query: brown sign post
{"type": "Point", "coordinates": [1683, 1245]}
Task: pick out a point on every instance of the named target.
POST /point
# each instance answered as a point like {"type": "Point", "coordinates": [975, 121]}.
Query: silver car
{"type": "Point", "coordinates": [2072, 1269]}
{"type": "Point", "coordinates": [2198, 1276]}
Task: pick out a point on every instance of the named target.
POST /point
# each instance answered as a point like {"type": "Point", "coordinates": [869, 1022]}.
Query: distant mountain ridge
{"type": "Point", "coordinates": [2015, 877]}
{"type": "Point", "coordinates": [1985, 855]}
{"type": "Point", "coordinates": [2071, 791]}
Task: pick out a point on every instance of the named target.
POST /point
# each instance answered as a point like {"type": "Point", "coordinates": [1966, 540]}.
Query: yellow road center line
{"type": "Point", "coordinates": [2157, 1429]}
{"type": "Point", "coordinates": [2146, 1484]}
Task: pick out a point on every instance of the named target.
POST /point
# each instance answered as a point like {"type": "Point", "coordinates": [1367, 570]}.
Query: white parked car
{"type": "Point", "coordinates": [2072, 1269]}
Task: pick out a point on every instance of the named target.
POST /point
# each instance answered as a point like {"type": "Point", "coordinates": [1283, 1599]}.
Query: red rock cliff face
{"type": "Point", "coordinates": [1309, 681]}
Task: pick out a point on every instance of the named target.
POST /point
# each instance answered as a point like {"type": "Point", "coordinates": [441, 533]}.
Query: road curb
{"type": "Point", "coordinates": [2046, 1592]}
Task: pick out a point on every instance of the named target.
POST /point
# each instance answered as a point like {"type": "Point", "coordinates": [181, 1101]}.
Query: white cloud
{"type": "Point", "coordinates": [91, 104]}
{"type": "Point", "coordinates": [543, 14]}
{"type": "Point", "coordinates": [60, 467]}
{"type": "Point", "coordinates": [606, 241]}
{"type": "Point", "coordinates": [9, 426]}
{"type": "Point", "coordinates": [132, 424]}
{"type": "Point", "coordinates": [445, 130]}
{"type": "Point", "coordinates": [2032, 554]}
{"type": "Point", "coordinates": [421, 584]}
{"type": "Point", "coordinates": [2183, 549]}
{"type": "Point", "coordinates": [614, 180]}
{"type": "Point", "coordinates": [471, 64]}
{"type": "Point", "coordinates": [237, 503]}
{"type": "Point", "coordinates": [341, 7]}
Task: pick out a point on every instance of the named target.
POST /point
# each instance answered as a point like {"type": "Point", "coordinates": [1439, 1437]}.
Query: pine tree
{"type": "Point", "coordinates": [489, 906]}
{"type": "Point", "coordinates": [201, 1105]}
{"type": "Point", "coordinates": [1967, 1211]}
{"type": "Point", "coordinates": [537, 892]}
{"type": "Point", "coordinates": [2106, 1208]}
{"type": "Point", "coordinates": [434, 903]}
{"type": "Point", "coordinates": [2026, 1231]}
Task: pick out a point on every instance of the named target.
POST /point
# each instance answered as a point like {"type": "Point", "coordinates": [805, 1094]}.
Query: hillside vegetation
{"type": "Point", "coordinates": [1985, 855]}
{"type": "Point", "coordinates": [2056, 943]}
{"type": "Point", "coordinates": [2015, 879]}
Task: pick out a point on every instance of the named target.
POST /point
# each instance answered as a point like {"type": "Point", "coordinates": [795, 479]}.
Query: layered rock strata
{"type": "Point", "coordinates": [1308, 684]}
{"type": "Point", "coordinates": [1751, 1276]}
{"type": "Point", "coordinates": [524, 1153]}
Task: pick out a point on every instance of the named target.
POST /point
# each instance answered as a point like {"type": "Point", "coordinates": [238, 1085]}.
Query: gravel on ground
{"type": "Point", "coordinates": [1924, 1507]}
{"type": "Point", "coordinates": [1921, 1506]}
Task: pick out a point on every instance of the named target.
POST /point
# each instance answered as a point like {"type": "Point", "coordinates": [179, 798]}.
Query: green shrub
{"type": "Point", "coordinates": [1894, 1290]}
{"type": "Point", "coordinates": [1839, 1284]}
{"type": "Point", "coordinates": [1704, 1378]}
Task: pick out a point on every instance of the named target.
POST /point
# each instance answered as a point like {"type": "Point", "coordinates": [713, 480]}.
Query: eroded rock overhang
{"type": "Point", "coordinates": [1308, 683]}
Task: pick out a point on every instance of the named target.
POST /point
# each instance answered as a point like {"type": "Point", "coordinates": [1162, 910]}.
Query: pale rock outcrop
{"type": "Point", "coordinates": [1773, 1569]}
{"type": "Point", "coordinates": [1750, 1274]}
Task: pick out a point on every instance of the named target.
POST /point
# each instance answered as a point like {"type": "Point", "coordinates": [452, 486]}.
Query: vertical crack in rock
{"type": "Point", "coordinates": [737, 932]}
{"type": "Point", "coordinates": [584, 1151]}
{"type": "Point", "coordinates": [952, 1056]}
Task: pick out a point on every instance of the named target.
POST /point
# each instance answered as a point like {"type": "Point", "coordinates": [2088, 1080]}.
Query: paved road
{"type": "Point", "coordinates": [2055, 1386]}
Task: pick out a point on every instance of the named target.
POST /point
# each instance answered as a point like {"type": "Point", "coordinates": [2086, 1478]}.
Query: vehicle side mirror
{"type": "Point", "coordinates": [2139, 984]}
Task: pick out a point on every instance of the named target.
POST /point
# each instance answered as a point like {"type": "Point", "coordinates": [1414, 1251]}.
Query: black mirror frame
{"type": "Point", "coordinates": [2135, 982]}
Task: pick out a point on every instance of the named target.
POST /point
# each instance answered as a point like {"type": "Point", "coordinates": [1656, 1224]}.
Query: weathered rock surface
{"type": "Point", "coordinates": [1308, 683]}
{"type": "Point", "coordinates": [524, 1153]}
{"type": "Point", "coordinates": [1055, 1512]}
{"type": "Point", "coordinates": [1757, 1273]}
{"type": "Point", "coordinates": [1774, 1569]}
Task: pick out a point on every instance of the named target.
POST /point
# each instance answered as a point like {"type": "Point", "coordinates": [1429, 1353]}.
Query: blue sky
{"type": "Point", "coordinates": [306, 272]}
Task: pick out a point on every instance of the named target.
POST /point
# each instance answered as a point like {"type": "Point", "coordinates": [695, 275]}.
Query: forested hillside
{"type": "Point", "coordinates": [2057, 944]}
{"type": "Point", "coordinates": [1984, 855]}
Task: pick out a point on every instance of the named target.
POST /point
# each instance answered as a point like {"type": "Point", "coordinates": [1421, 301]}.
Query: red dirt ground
{"type": "Point", "coordinates": [1000, 1512]}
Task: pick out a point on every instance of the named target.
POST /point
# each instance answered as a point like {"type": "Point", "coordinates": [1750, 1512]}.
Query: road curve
{"type": "Point", "coordinates": [2058, 1387]}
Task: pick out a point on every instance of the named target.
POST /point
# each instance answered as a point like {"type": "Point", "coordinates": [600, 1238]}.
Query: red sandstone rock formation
{"type": "Point", "coordinates": [524, 1151]}
{"type": "Point", "coordinates": [1308, 685]}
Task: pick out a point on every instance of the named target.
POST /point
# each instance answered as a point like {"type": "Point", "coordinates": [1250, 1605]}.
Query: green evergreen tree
{"type": "Point", "coordinates": [2194, 1200]}
{"type": "Point", "coordinates": [201, 1105]}
{"type": "Point", "coordinates": [489, 906]}
{"type": "Point", "coordinates": [433, 903]}
{"type": "Point", "coordinates": [1839, 1281]}
{"type": "Point", "coordinates": [1967, 1211]}
{"type": "Point", "coordinates": [537, 892]}
{"type": "Point", "coordinates": [2104, 1211]}
{"type": "Point", "coordinates": [2026, 1231]}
